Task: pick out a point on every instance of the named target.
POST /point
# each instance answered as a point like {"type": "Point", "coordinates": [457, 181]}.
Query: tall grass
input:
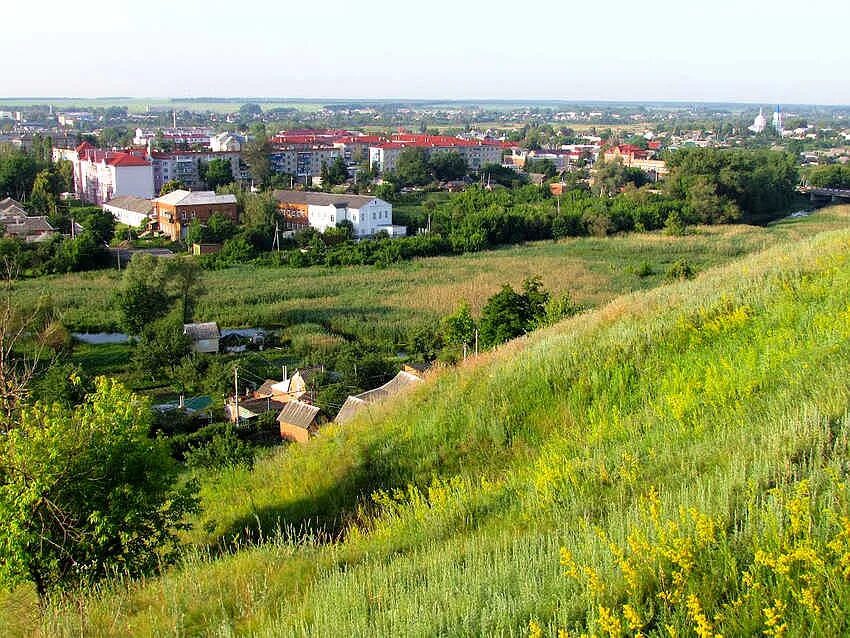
{"type": "Point", "coordinates": [673, 463]}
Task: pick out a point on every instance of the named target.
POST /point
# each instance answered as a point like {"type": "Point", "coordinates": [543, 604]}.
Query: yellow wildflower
{"type": "Point", "coordinates": [774, 625]}
{"type": "Point", "coordinates": [609, 622]}
{"type": "Point", "coordinates": [534, 629]}
{"type": "Point", "coordinates": [632, 617]}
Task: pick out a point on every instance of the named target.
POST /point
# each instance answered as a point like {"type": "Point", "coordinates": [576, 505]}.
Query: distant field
{"type": "Point", "coordinates": [140, 105]}
{"type": "Point", "coordinates": [367, 301]}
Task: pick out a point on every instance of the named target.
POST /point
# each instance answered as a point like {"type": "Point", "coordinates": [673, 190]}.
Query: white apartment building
{"type": "Point", "coordinates": [101, 175]}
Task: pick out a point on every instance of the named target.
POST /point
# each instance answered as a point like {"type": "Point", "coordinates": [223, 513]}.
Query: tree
{"type": "Point", "coordinates": [218, 173]}
{"type": "Point", "coordinates": [509, 314]}
{"type": "Point", "coordinates": [84, 491]}
{"type": "Point", "coordinates": [161, 346]}
{"type": "Point", "coordinates": [140, 304]}
{"type": "Point", "coordinates": [336, 173]}
{"type": "Point", "coordinates": [250, 110]}
{"type": "Point", "coordinates": [459, 327]}
{"type": "Point", "coordinates": [256, 155]}
{"type": "Point", "coordinates": [504, 317]}
{"type": "Point", "coordinates": [412, 167]}
{"type": "Point", "coordinates": [170, 186]}
{"type": "Point", "coordinates": [448, 165]}
{"type": "Point", "coordinates": [182, 277]}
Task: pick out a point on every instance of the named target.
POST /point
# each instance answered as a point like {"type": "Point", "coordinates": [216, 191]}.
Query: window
{"type": "Point", "coordinates": [332, 219]}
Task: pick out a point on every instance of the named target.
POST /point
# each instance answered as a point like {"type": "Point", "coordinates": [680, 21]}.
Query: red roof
{"type": "Point", "coordinates": [82, 148]}
{"type": "Point", "coordinates": [127, 159]}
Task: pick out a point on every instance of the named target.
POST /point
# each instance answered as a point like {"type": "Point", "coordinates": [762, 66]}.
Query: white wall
{"type": "Point", "coordinates": [133, 180]}
{"type": "Point", "coordinates": [124, 216]}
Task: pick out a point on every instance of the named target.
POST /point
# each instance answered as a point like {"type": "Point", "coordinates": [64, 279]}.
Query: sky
{"type": "Point", "coordinates": [677, 50]}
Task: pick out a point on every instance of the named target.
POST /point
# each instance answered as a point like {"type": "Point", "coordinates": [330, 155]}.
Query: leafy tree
{"type": "Point", "coordinates": [98, 222]}
{"type": "Point", "coordinates": [256, 155]}
{"type": "Point", "coordinates": [170, 186]}
{"type": "Point", "coordinates": [17, 174]}
{"type": "Point", "coordinates": [830, 176]}
{"type": "Point", "coordinates": [182, 277]}
{"type": "Point", "coordinates": [545, 166]}
{"type": "Point", "coordinates": [140, 304]}
{"type": "Point", "coordinates": [509, 314]}
{"type": "Point", "coordinates": [412, 167]}
{"type": "Point", "coordinates": [84, 491]}
{"type": "Point", "coordinates": [504, 317]}
{"type": "Point", "coordinates": [337, 172]}
{"type": "Point", "coordinates": [250, 110]}
{"type": "Point", "coordinates": [459, 328]}
{"type": "Point", "coordinates": [448, 165]}
{"type": "Point", "coordinates": [161, 346]}
{"type": "Point", "coordinates": [218, 173]}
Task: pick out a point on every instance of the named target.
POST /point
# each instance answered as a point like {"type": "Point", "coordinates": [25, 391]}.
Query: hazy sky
{"type": "Point", "coordinates": [723, 50]}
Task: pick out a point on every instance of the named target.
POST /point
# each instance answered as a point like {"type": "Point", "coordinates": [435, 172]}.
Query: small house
{"type": "Point", "coordinates": [298, 421]}
{"type": "Point", "coordinates": [356, 403]}
{"type": "Point", "coordinates": [204, 336]}
{"type": "Point", "coordinates": [250, 408]}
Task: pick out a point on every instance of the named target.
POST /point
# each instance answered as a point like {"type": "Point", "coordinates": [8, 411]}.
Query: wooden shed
{"type": "Point", "coordinates": [298, 421]}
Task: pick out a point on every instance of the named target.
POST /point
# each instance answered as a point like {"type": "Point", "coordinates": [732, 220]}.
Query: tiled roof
{"type": "Point", "coordinates": [127, 159]}
{"type": "Point", "coordinates": [299, 414]}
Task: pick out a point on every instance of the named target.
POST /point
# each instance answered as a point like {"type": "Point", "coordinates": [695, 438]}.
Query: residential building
{"type": "Point", "coordinates": [368, 215]}
{"type": "Point", "coordinates": [298, 421]}
{"type": "Point", "coordinates": [636, 157]}
{"type": "Point", "coordinates": [172, 213]}
{"type": "Point", "coordinates": [15, 222]}
{"type": "Point", "coordinates": [178, 137]}
{"type": "Point", "coordinates": [101, 175]}
{"type": "Point", "coordinates": [130, 210]}
{"type": "Point", "coordinates": [204, 336]}
{"type": "Point", "coordinates": [226, 143]}
{"type": "Point", "coordinates": [478, 153]}
{"type": "Point", "coordinates": [354, 404]}
{"type": "Point", "coordinates": [186, 167]}
{"type": "Point", "coordinates": [303, 162]}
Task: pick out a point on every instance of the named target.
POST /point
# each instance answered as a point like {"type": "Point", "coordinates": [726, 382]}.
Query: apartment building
{"type": "Point", "coordinates": [173, 213]}
{"type": "Point", "coordinates": [186, 166]}
{"type": "Point", "coordinates": [478, 153]}
{"type": "Point", "coordinates": [101, 175]}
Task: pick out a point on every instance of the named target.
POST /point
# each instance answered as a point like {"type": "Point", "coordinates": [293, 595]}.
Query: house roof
{"type": "Point", "coordinates": [182, 197]}
{"type": "Point", "coordinates": [127, 159]}
{"type": "Point", "coordinates": [254, 407]}
{"type": "Point", "coordinates": [199, 331]}
{"type": "Point", "coordinates": [131, 203]}
{"type": "Point", "coordinates": [265, 390]}
{"type": "Point", "coordinates": [299, 414]}
{"type": "Point", "coordinates": [12, 207]}
{"type": "Point", "coordinates": [323, 199]}
{"type": "Point", "coordinates": [394, 386]}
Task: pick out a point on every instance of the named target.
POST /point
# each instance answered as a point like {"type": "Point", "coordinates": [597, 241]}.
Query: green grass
{"type": "Point", "coordinates": [390, 303]}
{"type": "Point", "coordinates": [678, 455]}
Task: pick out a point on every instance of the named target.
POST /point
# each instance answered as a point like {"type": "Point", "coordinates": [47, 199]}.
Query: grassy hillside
{"type": "Point", "coordinates": [674, 463]}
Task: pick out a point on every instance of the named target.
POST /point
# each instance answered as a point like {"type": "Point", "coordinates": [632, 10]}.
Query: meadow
{"type": "Point", "coordinates": [390, 303]}
{"type": "Point", "coordinates": [673, 463]}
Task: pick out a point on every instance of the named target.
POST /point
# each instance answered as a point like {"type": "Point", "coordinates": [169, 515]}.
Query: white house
{"type": "Point", "coordinates": [129, 209]}
{"type": "Point", "coordinates": [368, 215]}
{"type": "Point", "coordinates": [204, 336]}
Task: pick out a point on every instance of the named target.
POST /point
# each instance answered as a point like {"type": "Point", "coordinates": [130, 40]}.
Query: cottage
{"type": "Point", "coordinates": [204, 336]}
{"type": "Point", "coordinates": [354, 404]}
{"type": "Point", "coordinates": [298, 421]}
{"type": "Point", "coordinates": [14, 222]}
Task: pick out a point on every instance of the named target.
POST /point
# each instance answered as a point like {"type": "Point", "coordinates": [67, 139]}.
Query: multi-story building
{"type": "Point", "coordinates": [368, 215]}
{"type": "Point", "coordinates": [186, 166]}
{"type": "Point", "coordinates": [192, 137]}
{"type": "Point", "coordinates": [302, 161]}
{"type": "Point", "coordinates": [173, 213]}
{"type": "Point", "coordinates": [477, 153]}
{"type": "Point", "coordinates": [100, 175]}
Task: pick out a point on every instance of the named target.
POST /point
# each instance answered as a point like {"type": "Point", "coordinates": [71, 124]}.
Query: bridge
{"type": "Point", "coordinates": [827, 195]}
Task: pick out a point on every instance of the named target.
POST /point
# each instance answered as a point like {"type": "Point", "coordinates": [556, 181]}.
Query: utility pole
{"type": "Point", "coordinates": [476, 342]}
{"type": "Point", "coordinates": [236, 392]}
